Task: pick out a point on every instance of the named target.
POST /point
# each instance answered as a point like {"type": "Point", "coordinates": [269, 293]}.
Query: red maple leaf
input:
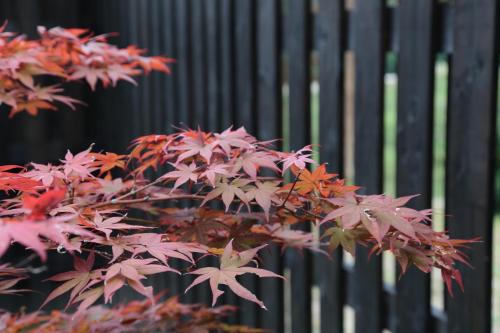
{"type": "Point", "coordinates": [39, 206]}
{"type": "Point", "coordinates": [10, 181]}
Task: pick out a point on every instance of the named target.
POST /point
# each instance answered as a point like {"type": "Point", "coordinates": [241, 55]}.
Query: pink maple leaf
{"type": "Point", "coordinates": [117, 72]}
{"type": "Point", "coordinates": [47, 174]}
{"type": "Point", "coordinates": [14, 275]}
{"type": "Point", "coordinates": [183, 174]}
{"type": "Point", "coordinates": [251, 162]}
{"type": "Point", "coordinates": [231, 265]}
{"type": "Point", "coordinates": [78, 280]}
{"type": "Point", "coordinates": [228, 191]}
{"type": "Point", "coordinates": [299, 159]}
{"type": "Point", "coordinates": [79, 164]}
{"type": "Point", "coordinates": [131, 271]}
{"type": "Point", "coordinates": [194, 146]}
{"type": "Point", "coordinates": [264, 194]}
{"type": "Point", "coordinates": [29, 233]}
{"type": "Point", "coordinates": [238, 139]}
{"type": "Point", "coordinates": [90, 74]}
{"type": "Point", "coordinates": [51, 93]}
{"type": "Point", "coordinates": [376, 212]}
{"type": "Point", "coordinates": [214, 170]}
{"type": "Point", "coordinates": [153, 244]}
{"type": "Point", "coordinates": [107, 225]}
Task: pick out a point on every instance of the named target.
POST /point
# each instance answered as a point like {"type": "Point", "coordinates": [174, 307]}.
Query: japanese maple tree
{"type": "Point", "coordinates": [234, 194]}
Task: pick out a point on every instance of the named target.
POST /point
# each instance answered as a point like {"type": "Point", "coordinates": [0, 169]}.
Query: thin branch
{"type": "Point", "coordinates": [26, 260]}
{"type": "Point", "coordinates": [290, 192]}
{"type": "Point", "coordinates": [135, 219]}
{"type": "Point", "coordinates": [101, 253]}
{"type": "Point", "coordinates": [140, 189]}
{"type": "Point", "coordinates": [144, 200]}
{"type": "Point", "coordinates": [306, 212]}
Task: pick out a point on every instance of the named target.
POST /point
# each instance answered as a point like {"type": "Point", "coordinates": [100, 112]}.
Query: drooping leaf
{"type": "Point", "coordinates": [231, 265]}
{"type": "Point", "coordinates": [264, 193]}
{"type": "Point", "coordinates": [153, 244]}
{"type": "Point", "coordinates": [131, 272]}
{"type": "Point", "coordinates": [76, 281]}
{"type": "Point", "coordinates": [344, 238]}
{"type": "Point", "coordinates": [108, 225]}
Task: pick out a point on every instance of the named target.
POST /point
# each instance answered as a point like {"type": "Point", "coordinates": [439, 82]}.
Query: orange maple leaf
{"type": "Point", "coordinates": [31, 107]}
{"type": "Point", "coordinates": [310, 181]}
{"type": "Point", "coordinates": [108, 161]}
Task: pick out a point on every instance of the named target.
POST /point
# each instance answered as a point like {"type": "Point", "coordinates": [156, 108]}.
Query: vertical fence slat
{"type": "Point", "coordinates": [414, 146]}
{"type": "Point", "coordinates": [269, 105]}
{"type": "Point", "coordinates": [96, 99]}
{"type": "Point", "coordinates": [227, 63]}
{"type": "Point", "coordinates": [169, 88]}
{"type": "Point", "coordinates": [199, 92]}
{"type": "Point", "coordinates": [369, 60]}
{"type": "Point", "coordinates": [299, 73]}
{"type": "Point", "coordinates": [124, 91]}
{"type": "Point", "coordinates": [184, 107]}
{"type": "Point", "coordinates": [182, 28]}
{"type": "Point", "coordinates": [213, 91]}
{"type": "Point", "coordinates": [144, 87]}
{"type": "Point", "coordinates": [71, 124]}
{"type": "Point", "coordinates": [160, 281]}
{"type": "Point", "coordinates": [198, 77]}
{"type": "Point", "coordinates": [104, 119]}
{"type": "Point", "coordinates": [269, 112]}
{"type": "Point", "coordinates": [212, 17]}
{"type": "Point", "coordinates": [169, 91]}
{"type": "Point", "coordinates": [244, 54]}
{"type": "Point", "coordinates": [154, 32]}
{"type": "Point", "coordinates": [330, 29]}
{"type": "Point", "coordinates": [132, 38]}
{"type": "Point", "coordinates": [226, 8]}
{"type": "Point", "coordinates": [244, 113]}
{"type": "Point", "coordinates": [470, 159]}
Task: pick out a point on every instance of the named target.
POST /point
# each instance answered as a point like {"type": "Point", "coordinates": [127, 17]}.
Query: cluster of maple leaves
{"type": "Point", "coordinates": [79, 204]}
{"type": "Point", "coordinates": [134, 317]}
{"type": "Point", "coordinates": [185, 196]}
{"type": "Point", "coordinates": [65, 55]}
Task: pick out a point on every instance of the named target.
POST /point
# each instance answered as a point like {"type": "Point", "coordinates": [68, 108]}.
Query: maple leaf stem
{"type": "Point", "coordinates": [291, 190]}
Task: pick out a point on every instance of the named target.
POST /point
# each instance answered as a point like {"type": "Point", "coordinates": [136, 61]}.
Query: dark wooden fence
{"type": "Point", "coordinates": [234, 58]}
